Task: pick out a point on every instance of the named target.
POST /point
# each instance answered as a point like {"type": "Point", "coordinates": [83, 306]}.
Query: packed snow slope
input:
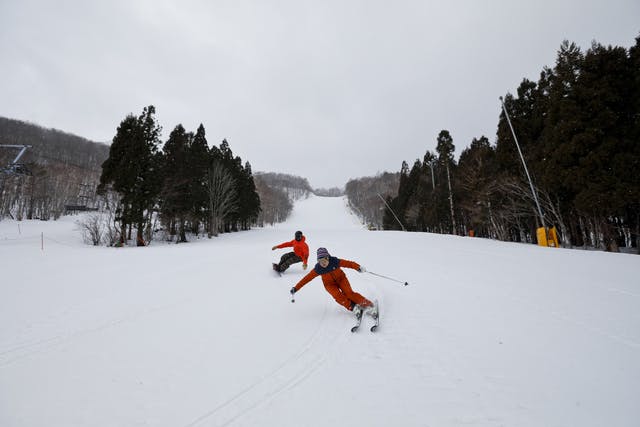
{"type": "Point", "coordinates": [204, 334]}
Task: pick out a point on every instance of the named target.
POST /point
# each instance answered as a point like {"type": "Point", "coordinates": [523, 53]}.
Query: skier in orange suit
{"type": "Point", "coordinates": [335, 281]}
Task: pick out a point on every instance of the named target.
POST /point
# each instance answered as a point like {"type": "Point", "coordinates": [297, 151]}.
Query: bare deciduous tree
{"type": "Point", "coordinates": [524, 203]}
{"type": "Point", "coordinates": [92, 228]}
{"type": "Point", "coordinates": [275, 205]}
{"type": "Point", "coordinates": [222, 196]}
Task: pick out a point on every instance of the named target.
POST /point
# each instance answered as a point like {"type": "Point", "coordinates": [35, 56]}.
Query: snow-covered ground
{"type": "Point", "coordinates": [204, 334]}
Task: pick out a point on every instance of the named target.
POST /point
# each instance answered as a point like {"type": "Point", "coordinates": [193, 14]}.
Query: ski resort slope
{"type": "Point", "coordinates": [204, 334]}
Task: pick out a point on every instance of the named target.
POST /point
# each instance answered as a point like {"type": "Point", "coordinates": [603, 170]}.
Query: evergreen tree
{"type": "Point", "coordinates": [600, 179]}
{"type": "Point", "coordinates": [133, 170]}
{"type": "Point", "coordinates": [234, 221]}
{"type": "Point", "coordinates": [249, 198]}
{"type": "Point", "coordinates": [199, 160]}
{"type": "Point", "coordinates": [176, 194]}
{"type": "Point", "coordinates": [428, 198]}
{"type": "Point", "coordinates": [633, 187]}
{"type": "Point", "coordinates": [445, 149]}
{"type": "Point", "coordinates": [430, 161]}
{"type": "Point", "coordinates": [562, 122]}
{"type": "Point", "coordinates": [527, 118]}
{"type": "Point", "coordinates": [476, 183]}
{"type": "Point", "coordinates": [414, 188]}
{"type": "Point", "coordinates": [527, 112]}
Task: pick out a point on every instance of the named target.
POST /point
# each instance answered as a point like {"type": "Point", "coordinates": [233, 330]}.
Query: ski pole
{"type": "Point", "coordinates": [388, 278]}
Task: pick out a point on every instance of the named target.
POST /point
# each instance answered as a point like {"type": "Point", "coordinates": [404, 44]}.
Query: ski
{"type": "Point", "coordinates": [374, 312]}
{"type": "Point", "coordinates": [356, 326]}
{"type": "Point", "coordinates": [358, 322]}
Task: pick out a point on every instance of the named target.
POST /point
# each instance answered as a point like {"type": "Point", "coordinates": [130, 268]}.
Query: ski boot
{"type": "Point", "coordinates": [357, 311]}
{"type": "Point", "coordinates": [372, 310]}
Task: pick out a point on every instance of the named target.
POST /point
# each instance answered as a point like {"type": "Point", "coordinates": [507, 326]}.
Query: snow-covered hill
{"type": "Point", "coordinates": [204, 334]}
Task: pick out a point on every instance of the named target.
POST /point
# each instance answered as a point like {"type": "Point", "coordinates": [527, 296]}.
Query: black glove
{"type": "Point", "coordinates": [293, 290]}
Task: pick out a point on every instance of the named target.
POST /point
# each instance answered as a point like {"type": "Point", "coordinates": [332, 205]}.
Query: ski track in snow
{"type": "Point", "coordinates": [23, 350]}
{"type": "Point", "coordinates": [286, 376]}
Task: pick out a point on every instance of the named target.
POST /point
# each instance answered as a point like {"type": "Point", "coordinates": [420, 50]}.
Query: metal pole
{"type": "Point", "coordinates": [388, 278]}
{"type": "Point", "coordinates": [433, 179]}
{"type": "Point", "coordinates": [22, 147]}
{"type": "Point", "coordinates": [392, 212]}
{"type": "Point", "coordinates": [535, 196]}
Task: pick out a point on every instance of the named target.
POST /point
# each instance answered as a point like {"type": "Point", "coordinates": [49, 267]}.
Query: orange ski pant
{"type": "Point", "coordinates": [343, 294]}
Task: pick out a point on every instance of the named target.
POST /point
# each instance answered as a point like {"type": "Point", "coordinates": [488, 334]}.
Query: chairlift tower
{"type": "Point", "coordinates": [16, 168]}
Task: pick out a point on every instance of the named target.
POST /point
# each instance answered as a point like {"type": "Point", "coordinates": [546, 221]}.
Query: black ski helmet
{"type": "Point", "coordinates": [298, 235]}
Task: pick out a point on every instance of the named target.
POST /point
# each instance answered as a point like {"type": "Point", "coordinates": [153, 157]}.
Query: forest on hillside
{"type": "Point", "coordinates": [578, 128]}
{"type": "Point", "coordinates": [277, 193]}
{"type": "Point", "coordinates": [367, 195]}
{"type": "Point", "coordinates": [59, 171]}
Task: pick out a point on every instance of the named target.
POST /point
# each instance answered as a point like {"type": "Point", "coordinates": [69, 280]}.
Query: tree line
{"type": "Point", "coordinates": [578, 128]}
{"type": "Point", "coordinates": [65, 170]}
{"type": "Point", "coordinates": [186, 186]}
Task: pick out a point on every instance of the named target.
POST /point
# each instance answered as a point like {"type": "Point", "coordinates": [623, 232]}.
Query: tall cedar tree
{"type": "Point", "coordinates": [199, 159]}
{"type": "Point", "coordinates": [445, 149]}
{"type": "Point", "coordinates": [177, 199]}
{"type": "Point", "coordinates": [249, 199]}
{"type": "Point", "coordinates": [633, 189]}
{"type": "Point", "coordinates": [133, 170]}
{"type": "Point", "coordinates": [429, 201]}
{"type": "Point", "coordinates": [476, 168]}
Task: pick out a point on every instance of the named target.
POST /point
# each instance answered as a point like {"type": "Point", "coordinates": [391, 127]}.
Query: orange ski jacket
{"type": "Point", "coordinates": [300, 248]}
{"type": "Point", "coordinates": [332, 275]}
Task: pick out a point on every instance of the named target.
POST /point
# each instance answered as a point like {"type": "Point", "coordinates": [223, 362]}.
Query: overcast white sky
{"type": "Point", "coordinates": [326, 89]}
